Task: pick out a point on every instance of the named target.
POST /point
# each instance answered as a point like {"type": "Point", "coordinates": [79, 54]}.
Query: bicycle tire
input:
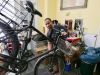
{"type": "Point", "coordinates": [42, 62]}
{"type": "Point", "coordinates": [8, 33]}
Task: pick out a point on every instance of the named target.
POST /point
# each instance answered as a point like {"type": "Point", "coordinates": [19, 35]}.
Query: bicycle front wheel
{"type": "Point", "coordinates": [49, 65]}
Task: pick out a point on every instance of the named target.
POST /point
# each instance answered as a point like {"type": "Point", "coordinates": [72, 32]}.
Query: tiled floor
{"type": "Point", "coordinates": [75, 72]}
{"type": "Point", "coordinates": [31, 65]}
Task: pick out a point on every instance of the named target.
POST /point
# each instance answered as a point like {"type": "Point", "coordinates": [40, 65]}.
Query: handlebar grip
{"type": "Point", "coordinates": [37, 12]}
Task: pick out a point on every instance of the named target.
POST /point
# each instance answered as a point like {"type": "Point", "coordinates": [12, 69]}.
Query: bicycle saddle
{"type": "Point", "coordinates": [31, 8]}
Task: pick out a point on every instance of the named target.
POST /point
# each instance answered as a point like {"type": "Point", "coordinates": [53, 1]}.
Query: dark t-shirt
{"type": "Point", "coordinates": [52, 34]}
{"type": "Point", "coordinates": [59, 27]}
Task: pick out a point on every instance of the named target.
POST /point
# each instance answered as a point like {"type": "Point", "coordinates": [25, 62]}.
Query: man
{"type": "Point", "coordinates": [51, 33]}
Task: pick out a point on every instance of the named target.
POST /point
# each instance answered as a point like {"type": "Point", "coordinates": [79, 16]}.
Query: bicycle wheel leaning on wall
{"type": "Point", "coordinates": [7, 35]}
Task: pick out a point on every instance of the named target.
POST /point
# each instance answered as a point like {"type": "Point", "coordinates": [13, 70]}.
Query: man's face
{"type": "Point", "coordinates": [48, 24]}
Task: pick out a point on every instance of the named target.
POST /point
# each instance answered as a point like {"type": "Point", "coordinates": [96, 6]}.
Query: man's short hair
{"type": "Point", "coordinates": [48, 19]}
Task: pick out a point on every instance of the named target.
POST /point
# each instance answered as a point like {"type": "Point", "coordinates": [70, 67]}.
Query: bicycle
{"type": "Point", "coordinates": [16, 61]}
{"type": "Point", "coordinates": [47, 63]}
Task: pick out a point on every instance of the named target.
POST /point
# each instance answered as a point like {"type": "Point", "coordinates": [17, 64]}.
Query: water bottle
{"type": "Point", "coordinates": [67, 66]}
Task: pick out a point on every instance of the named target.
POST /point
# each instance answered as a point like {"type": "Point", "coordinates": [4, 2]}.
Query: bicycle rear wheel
{"type": "Point", "coordinates": [49, 65]}
{"type": "Point", "coordinates": [7, 35]}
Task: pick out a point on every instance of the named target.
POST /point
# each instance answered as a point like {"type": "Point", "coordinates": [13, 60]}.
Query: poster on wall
{"type": "Point", "coordinates": [72, 4]}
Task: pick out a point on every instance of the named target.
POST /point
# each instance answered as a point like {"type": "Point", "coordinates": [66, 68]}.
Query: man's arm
{"type": "Point", "coordinates": [49, 46]}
